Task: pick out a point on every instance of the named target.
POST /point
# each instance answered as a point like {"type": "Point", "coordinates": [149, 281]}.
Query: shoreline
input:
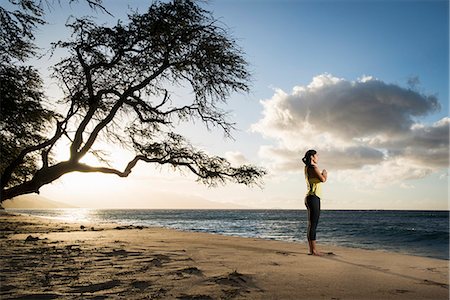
{"type": "Point", "coordinates": [321, 242]}
{"type": "Point", "coordinates": [51, 259]}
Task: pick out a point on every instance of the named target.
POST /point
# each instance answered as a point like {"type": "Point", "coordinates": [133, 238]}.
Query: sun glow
{"type": "Point", "coordinates": [76, 215]}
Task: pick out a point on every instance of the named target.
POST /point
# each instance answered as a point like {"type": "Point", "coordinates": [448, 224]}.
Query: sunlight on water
{"type": "Point", "coordinates": [76, 215]}
{"type": "Point", "coordinates": [66, 214]}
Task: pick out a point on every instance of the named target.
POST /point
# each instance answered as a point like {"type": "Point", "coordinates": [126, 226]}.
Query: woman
{"type": "Point", "coordinates": [313, 178]}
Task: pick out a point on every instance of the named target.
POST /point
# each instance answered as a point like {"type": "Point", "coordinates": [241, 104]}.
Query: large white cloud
{"type": "Point", "coordinates": [361, 125]}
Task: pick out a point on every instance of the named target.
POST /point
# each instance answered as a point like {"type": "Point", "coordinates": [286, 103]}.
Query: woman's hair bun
{"type": "Point", "coordinates": [307, 158]}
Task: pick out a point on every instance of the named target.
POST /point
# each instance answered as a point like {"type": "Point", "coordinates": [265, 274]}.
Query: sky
{"type": "Point", "coordinates": [365, 83]}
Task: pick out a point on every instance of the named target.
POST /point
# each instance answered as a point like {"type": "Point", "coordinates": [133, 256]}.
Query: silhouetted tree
{"type": "Point", "coordinates": [116, 82]}
{"type": "Point", "coordinates": [23, 119]}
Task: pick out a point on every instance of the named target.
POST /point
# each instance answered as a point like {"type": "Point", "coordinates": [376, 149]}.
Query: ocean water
{"type": "Point", "coordinates": [421, 233]}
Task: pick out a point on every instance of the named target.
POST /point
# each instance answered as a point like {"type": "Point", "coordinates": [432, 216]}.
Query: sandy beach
{"type": "Point", "coordinates": [49, 259]}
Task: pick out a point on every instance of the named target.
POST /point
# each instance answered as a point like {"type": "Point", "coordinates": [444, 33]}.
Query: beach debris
{"type": "Point", "coordinates": [82, 227]}
{"type": "Point", "coordinates": [190, 271]}
{"type": "Point", "coordinates": [235, 279]}
{"type": "Point", "coordinates": [74, 247]}
{"type": "Point", "coordinates": [156, 262]}
{"type": "Point", "coordinates": [119, 252]}
{"type": "Point", "coordinates": [31, 238]}
{"type": "Point", "coordinates": [123, 227]}
{"type": "Point", "coordinates": [194, 297]}
{"type": "Point", "coordinates": [159, 259]}
{"type": "Point", "coordinates": [140, 284]}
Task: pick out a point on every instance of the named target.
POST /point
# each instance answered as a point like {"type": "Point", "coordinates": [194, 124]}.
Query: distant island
{"type": "Point", "coordinates": [34, 202]}
{"type": "Point", "coordinates": [187, 202]}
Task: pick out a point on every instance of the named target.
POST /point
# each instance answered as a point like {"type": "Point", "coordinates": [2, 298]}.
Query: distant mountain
{"type": "Point", "coordinates": [165, 201]}
{"type": "Point", "coordinates": [34, 201]}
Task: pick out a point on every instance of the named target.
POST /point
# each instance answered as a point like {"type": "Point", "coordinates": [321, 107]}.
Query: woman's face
{"type": "Point", "coordinates": [315, 158]}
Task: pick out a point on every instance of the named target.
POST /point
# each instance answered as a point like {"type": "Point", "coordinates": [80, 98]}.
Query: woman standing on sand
{"type": "Point", "coordinates": [313, 178]}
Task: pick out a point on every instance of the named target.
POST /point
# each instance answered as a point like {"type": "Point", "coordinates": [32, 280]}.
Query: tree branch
{"type": "Point", "coordinates": [87, 73]}
{"type": "Point", "coordinates": [146, 108]}
{"type": "Point", "coordinates": [248, 175]}
{"type": "Point", "coordinates": [6, 176]}
{"type": "Point", "coordinates": [98, 128]}
{"type": "Point", "coordinates": [78, 140]}
{"type": "Point", "coordinates": [146, 81]}
{"type": "Point", "coordinates": [116, 107]}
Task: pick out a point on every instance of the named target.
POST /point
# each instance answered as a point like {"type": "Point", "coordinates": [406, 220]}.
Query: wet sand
{"type": "Point", "coordinates": [49, 259]}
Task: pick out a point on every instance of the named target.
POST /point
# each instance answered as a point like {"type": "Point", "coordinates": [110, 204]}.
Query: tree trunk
{"type": "Point", "coordinates": [42, 177]}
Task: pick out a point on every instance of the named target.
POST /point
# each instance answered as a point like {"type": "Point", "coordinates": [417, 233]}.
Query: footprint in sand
{"type": "Point", "coordinates": [444, 285]}
{"type": "Point", "coordinates": [141, 285]}
{"type": "Point", "coordinates": [234, 284]}
{"type": "Point", "coordinates": [398, 291]}
{"type": "Point", "coordinates": [121, 252]}
{"type": "Point", "coordinates": [189, 271]}
{"type": "Point", "coordinates": [233, 279]}
{"type": "Point", "coordinates": [95, 287]}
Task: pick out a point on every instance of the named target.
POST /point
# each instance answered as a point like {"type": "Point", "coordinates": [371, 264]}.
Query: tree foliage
{"type": "Point", "coordinates": [24, 120]}
{"type": "Point", "coordinates": [116, 82]}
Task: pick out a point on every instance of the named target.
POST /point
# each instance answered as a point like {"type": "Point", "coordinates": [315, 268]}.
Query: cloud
{"type": "Point", "coordinates": [427, 145]}
{"type": "Point", "coordinates": [361, 125]}
{"type": "Point", "coordinates": [236, 158]}
{"type": "Point", "coordinates": [283, 159]}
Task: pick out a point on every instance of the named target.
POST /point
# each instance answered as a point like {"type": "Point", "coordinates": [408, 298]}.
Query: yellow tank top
{"type": "Point", "coordinates": [313, 185]}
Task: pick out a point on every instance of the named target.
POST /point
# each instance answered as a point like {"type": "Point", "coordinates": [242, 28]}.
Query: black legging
{"type": "Point", "coordinates": [312, 202]}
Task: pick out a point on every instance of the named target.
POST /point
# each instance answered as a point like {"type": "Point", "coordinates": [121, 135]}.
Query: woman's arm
{"type": "Point", "coordinates": [316, 173]}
